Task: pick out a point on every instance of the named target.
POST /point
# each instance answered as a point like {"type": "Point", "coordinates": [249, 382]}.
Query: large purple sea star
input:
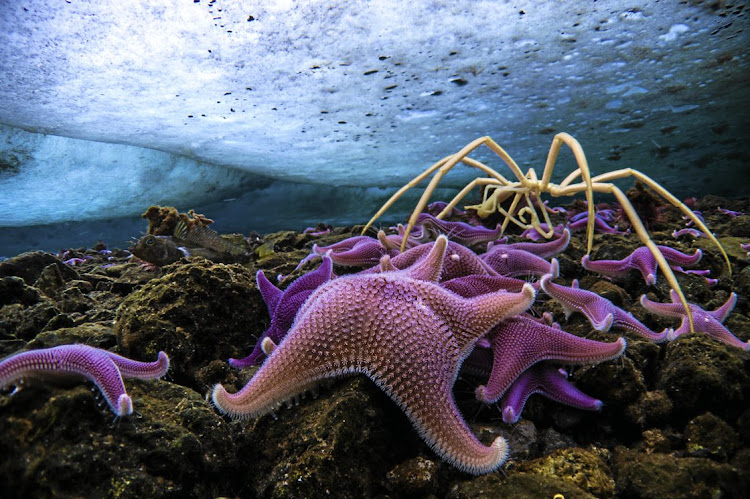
{"type": "Point", "coordinates": [408, 334]}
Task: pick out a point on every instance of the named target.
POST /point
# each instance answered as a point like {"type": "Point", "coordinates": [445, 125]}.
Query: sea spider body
{"type": "Point", "coordinates": [529, 188]}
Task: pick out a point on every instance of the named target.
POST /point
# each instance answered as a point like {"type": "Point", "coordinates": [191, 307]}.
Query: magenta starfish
{"type": "Point", "coordinates": [547, 379]}
{"type": "Point", "coordinates": [105, 369]}
{"type": "Point", "coordinates": [361, 251]}
{"type": "Point", "coordinates": [520, 342]}
{"type": "Point", "coordinates": [643, 260]}
{"type": "Point", "coordinates": [283, 306]}
{"type": "Point", "coordinates": [459, 261]}
{"type": "Point", "coordinates": [515, 262]}
{"type": "Point", "coordinates": [601, 313]}
{"type": "Point", "coordinates": [708, 322]}
{"type": "Point", "coordinates": [459, 232]}
{"type": "Point", "coordinates": [406, 333]}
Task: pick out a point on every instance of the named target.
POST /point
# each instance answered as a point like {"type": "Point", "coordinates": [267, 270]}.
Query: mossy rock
{"type": "Point", "coordinates": [198, 313]}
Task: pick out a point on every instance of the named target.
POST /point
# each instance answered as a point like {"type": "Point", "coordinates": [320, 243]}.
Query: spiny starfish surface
{"type": "Point", "coordinates": [459, 261]}
{"type": "Point", "coordinates": [406, 333]}
{"type": "Point", "coordinates": [283, 306]}
{"type": "Point", "coordinates": [704, 321]}
{"type": "Point", "coordinates": [460, 232]}
{"type": "Point", "coordinates": [643, 260]}
{"type": "Point", "coordinates": [544, 250]}
{"type": "Point", "coordinates": [520, 342]}
{"type": "Point", "coordinates": [515, 262]}
{"type": "Point", "coordinates": [105, 369]}
{"type": "Point", "coordinates": [547, 379]}
{"type": "Point", "coordinates": [601, 313]}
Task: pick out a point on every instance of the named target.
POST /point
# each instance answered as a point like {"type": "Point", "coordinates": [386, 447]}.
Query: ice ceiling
{"type": "Point", "coordinates": [110, 106]}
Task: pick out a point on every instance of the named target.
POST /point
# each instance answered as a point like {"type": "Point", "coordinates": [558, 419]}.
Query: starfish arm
{"type": "Point", "coordinates": [519, 342]}
{"type": "Point", "coordinates": [674, 310]}
{"type": "Point", "coordinates": [550, 381]}
{"type": "Point", "coordinates": [513, 262]}
{"type": "Point", "coordinates": [644, 261]}
{"type": "Point", "coordinates": [606, 267]}
{"type": "Point", "coordinates": [141, 370]}
{"type": "Point", "coordinates": [459, 232]}
{"type": "Point", "coordinates": [598, 310]}
{"type": "Point", "coordinates": [431, 266]}
{"type": "Point", "coordinates": [546, 249]}
{"type": "Point", "coordinates": [270, 293]}
{"type": "Point", "coordinates": [626, 321]}
{"type": "Point", "coordinates": [356, 251]}
{"type": "Point", "coordinates": [475, 285]}
{"type": "Point", "coordinates": [78, 360]}
{"type": "Point", "coordinates": [721, 313]}
{"type": "Point", "coordinates": [675, 257]}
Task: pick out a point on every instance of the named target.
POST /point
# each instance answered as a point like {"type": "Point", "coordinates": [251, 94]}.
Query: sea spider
{"type": "Point", "coordinates": [529, 188]}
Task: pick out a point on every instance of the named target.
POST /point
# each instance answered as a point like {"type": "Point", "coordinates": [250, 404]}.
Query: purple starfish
{"type": "Point", "coordinates": [360, 251]}
{"type": "Point", "coordinates": [543, 250]}
{"type": "Point", "coordinates": [475, 285]}
{"type": "Point", "coordinates": [688, 231]}
{"type": "Point", "coordinates": [283, 306]}
{"type": "Point", "coordinates": [105, 369]}
{"type": "Point", "coordinates": [549, 380]}
{"type": "Point", "coordinates": [600, 225]}
{"type": "Point", "coordinates": [708, 322]}
{"type": "Point", "coordinates": [601, 313]}
{"type": "Point", "coordinates": [643, 260]}
{"type": "Point", "coordinates": [459, 261]}
{"type": "Point", "coordinates": [535, 235]}
{"type": "Point", "coordinates": [514, 262]}
{"type": "Point", "coordinates": [408, 334]}
{"type": "Point", "coordinates": [436, 207]}
{"type": "Point", "coordinates": [520, 342]}
{"type": "Point", "coordinates": [459, 232]}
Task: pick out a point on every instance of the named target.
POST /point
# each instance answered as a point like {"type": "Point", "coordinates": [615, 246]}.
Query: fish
{"type": "Point", "coordinates": [198, 240]}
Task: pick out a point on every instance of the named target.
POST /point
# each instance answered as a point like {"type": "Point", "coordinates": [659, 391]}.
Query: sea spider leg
{"type": "Point", "coordinates": [442, 168]}
{"type": "Point", "coordinates": [583, 170]}
{"type": "Point", "coordinates": [628, 172]}
{"type": "Point", "coordinates": [413, 182]}
{"type": "Point", "coordinates": [635, 221]}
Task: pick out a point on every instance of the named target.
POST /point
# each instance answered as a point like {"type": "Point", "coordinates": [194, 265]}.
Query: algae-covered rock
{"type": "Point", "coordinates": [699, 373]}
{"type": "Point", "coordinates": [416, 477]}
{"type": "Point", "coordinates": [585, 468]}
{"type": "Point", "coordinates": [339, 445]}
{"type": "Point", "coordinates": [664, 476]}
{"type": "Point", "coordinates": [197, 313]}
{"type": "Point", "coordinates": [56, 442]}
{"type": "Point", "coordinates": [709, 436]}
{"type": "Point", "coordinates": [521, 485]}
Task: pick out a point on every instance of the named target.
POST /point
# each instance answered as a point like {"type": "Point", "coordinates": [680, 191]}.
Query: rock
{"type": "Point", "coordinates": [56, 442]}
{"type": "Point", "coordinates": [416, 477]}
{"type": "Point", "coordinates": [522, 485]}
{"type": "Point", "coordinates": [709, 436]}
{"type": "Point", "coordinates": [197, 313]}
{"type": "Point", "coordinates": [585, 468]}
{"type": "Point", "coordinates": [699, 373]}
{"type": "Point", "coordinates": [664, 476]}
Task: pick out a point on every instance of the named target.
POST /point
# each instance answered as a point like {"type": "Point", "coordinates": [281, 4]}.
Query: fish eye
{"type": "Point", "coordinates": [150, 241]}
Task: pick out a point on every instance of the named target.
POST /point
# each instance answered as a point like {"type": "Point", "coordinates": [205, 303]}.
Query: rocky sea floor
{"type": "Point", "coordinates": [675, 424]}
